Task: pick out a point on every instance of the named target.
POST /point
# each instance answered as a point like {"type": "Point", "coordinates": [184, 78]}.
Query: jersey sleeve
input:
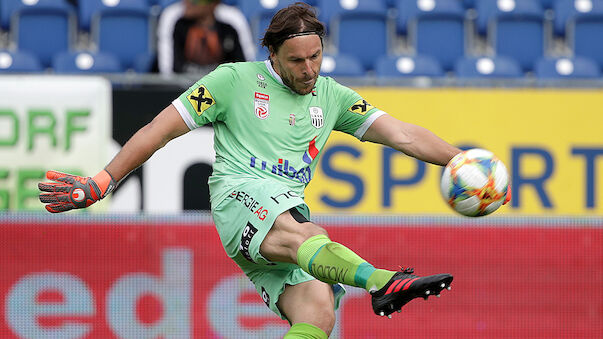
{"type": "Point", "coordinates": [355, 114]}
{"type": "Point", "coordinates": [207, 100]}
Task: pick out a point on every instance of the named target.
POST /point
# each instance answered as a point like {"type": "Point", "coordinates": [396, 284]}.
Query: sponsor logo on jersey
{"type": "Point", "coordinates": [287, 195]}
{"type": "Point", "coordinates": [201, 99]}
{"type": "Point", "coordinates": [360, 107]}
{"type": "Point", "coordinates": [261, 82]}
{"type": "Point", "coordinates": [246, 237]}
{"type": "Point", "coordinates": [261, 105]}
{"type": "Point", "coordinates": [250, 203]}
{"type": "Point", "coordinates": [311, 153]}
{"type": "Point", "coordinates": [265, 297]}
{"type": "Point", "coordinates": [316, 117]}
{"type": "Point", "coordinates": [292, 119]}
{"type": "Point", "coordinates": [283, 168]}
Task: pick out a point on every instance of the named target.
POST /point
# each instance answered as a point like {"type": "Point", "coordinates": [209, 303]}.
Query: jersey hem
{"type": "Point", "coordinates": [367, 123]}
{"type": "Point", "coordinates": [190, 122]}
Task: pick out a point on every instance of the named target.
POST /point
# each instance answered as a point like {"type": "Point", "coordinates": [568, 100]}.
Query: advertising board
{"type": "Point", "coordinates": [170, 278]}
{"type": "Point", "coordinates": [50, 122]}
{"type": "Point", "coordinates": [550, 140]}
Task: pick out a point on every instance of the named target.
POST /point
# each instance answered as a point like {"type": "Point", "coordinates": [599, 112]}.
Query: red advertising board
{"type": "Point", "coordinates": [172, 279]}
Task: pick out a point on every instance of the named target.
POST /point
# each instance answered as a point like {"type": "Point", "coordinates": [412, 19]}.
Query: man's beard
{"type": "Point", "coordinates": [289, 84]}
{"type": "Point", "coordinates": [287, 81]}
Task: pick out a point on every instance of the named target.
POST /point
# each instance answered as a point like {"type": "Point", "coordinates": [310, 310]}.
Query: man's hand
{"type": "Point", "coordinates": [72, 191]}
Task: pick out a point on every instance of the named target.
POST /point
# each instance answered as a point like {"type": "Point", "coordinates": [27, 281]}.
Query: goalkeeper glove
{"type": "Point", "coordinates": [73, 191]}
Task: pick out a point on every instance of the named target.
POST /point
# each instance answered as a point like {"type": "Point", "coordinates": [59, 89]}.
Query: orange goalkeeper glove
{"type": "Point", "coordinates": [73, 191]}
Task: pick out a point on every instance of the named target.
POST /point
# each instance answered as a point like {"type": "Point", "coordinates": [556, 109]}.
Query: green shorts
{"type": "Point", "coordinates": [243, 219]}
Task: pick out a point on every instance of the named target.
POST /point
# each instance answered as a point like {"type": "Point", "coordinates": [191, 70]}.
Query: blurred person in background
{"type": "Point", "coordinates": [271, 120]}
{"type": "Point", "coordinates": [194, 35]}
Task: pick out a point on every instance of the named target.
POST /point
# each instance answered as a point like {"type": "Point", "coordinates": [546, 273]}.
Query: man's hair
{"type": "Point", "coordinates": [295, 20]}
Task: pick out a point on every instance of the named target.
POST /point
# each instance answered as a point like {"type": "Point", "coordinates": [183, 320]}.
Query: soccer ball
{"type": "Point", "coordinates": [475, 183]}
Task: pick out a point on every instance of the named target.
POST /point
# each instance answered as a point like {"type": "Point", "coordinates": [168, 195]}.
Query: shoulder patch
{"type": "Point", "coordinates": [201, 99]}
{"type": "Point", "coordinates": [360, 107]}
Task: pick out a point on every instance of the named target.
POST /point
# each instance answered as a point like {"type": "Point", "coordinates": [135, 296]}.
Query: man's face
{"type": "Point", "coordinates": [298, 62]}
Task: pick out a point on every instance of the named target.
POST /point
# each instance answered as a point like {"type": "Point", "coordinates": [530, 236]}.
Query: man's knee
{"type": "Point", "coordinates": [307, 229]}
{"type": "Point", "coordinates": [286, 235]}
{"type": "Point", "coordinates": [325, 318]}
{"type": "Point", "coordinates": [298, 227]}
{"type": "Point", "coordinates": [313, 304]}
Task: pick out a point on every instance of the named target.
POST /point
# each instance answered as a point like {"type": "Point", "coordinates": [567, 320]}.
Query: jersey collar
{"type": "Point", "coordinates": [273, 72]}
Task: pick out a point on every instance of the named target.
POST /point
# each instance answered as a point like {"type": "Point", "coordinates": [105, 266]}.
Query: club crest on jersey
{"type": "Point", "coordinates": [201, 99]}
{"type": "Point", "coordinates": [360, 107]}
{"type": "Point", "coordinates": [316, 117]}
{"type": "Point", "coordinates": [261, 105]}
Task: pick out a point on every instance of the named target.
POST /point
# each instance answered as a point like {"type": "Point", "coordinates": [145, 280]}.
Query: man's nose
{"type": "Point", "coordinates": [308, 67]}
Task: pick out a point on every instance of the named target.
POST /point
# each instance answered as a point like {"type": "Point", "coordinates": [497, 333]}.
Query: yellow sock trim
{"type": "Point", "coordinates": [305, 331]}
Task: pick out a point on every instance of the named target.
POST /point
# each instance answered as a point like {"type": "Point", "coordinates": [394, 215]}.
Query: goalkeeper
{"type": "Point", "coordinates": [271, 121]}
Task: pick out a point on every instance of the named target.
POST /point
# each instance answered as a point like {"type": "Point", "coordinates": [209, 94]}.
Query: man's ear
{"type": "Point", "coordinates": [271, 53]}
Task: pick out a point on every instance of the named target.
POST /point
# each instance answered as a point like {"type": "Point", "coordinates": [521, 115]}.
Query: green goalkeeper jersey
{"type": "Point", "coordinates": [265, 130]}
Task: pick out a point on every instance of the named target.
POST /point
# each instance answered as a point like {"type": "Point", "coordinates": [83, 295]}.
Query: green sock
{"type": "Point", "coordinates": [305, 331]}
{"type": "Point", "coordinates": [332, 263]}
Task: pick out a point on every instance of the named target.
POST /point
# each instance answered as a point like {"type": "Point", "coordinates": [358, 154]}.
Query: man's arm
{"type": "Point", "coordinates": [410, 139]}
{"type": "Point", "coordinates": [71, 191]}
{"type": "Point", "coordinates": [166, 126]}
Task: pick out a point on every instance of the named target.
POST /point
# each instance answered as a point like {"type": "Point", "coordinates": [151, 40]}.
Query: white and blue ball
{"type": "Point", "coordinates": [475, 183]}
